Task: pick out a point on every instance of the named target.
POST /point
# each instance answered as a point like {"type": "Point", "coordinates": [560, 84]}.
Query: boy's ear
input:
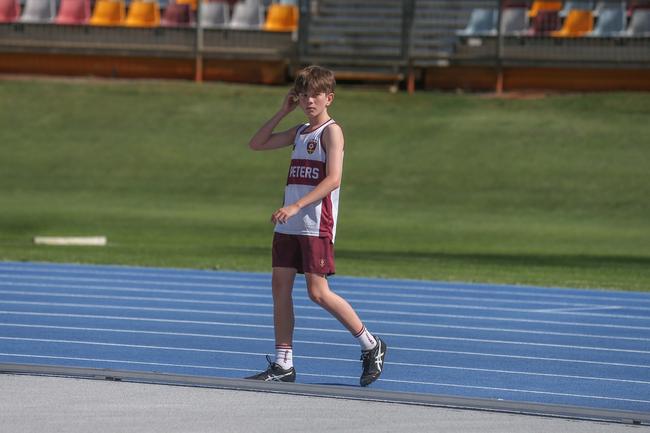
{"type": "Point", "coordinates": [330, 98]}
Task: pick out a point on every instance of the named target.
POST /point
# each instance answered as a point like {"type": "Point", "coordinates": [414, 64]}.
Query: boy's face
{"type": "Point", "coordinates": [314, 103]}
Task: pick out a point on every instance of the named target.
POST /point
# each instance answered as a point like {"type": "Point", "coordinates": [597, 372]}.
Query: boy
{"type": "Point", "coordinates": [305, 227]}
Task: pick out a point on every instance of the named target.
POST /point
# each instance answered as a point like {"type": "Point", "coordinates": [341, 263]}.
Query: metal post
{"type": "Point", "coordinates": [499, 53]}
{"type": "Point", "coordinates": [198, 49]}
{"type": "Point", "coordinates": [303, 28]}
{"type": "Point", "coordinates": [408, 11]}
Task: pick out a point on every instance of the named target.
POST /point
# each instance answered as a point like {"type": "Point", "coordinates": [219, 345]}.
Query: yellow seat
{"type": "Point", "coordinates": [143, 14]}
{"type": "Point", "coordinates": [281, 18]}
{"type": "Point", "coordinates": [543, 5]}
{"type": "Point", "coordinates": [108, 13]}
{"type": "Point", "coordinates": [193, 3]}
{"type": "Point", "coordinates": [577, 23]}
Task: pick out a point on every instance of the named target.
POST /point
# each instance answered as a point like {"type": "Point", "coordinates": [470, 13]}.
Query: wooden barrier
{"type": "Point", "coordinates": [472, 78]}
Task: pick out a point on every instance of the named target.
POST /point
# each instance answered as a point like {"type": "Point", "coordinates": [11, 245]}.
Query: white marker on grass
{"type": "Point", "coordinates": [94, 241]}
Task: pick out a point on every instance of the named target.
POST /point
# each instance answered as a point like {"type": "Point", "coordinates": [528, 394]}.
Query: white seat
{"type": "Point", "coordinates": [39, 11]}
{"type": "Point", "coordinates": [214, 14]}
{"type": "Point", "coordinates": [247, 15]}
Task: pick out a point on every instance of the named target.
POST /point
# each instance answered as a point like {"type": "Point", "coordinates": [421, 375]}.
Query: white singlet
{"type": "Point", "coordinates": [308, 169]}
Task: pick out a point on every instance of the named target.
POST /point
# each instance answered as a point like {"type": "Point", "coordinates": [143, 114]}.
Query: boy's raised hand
{"type": "Point", "coordinates": [290, 102]}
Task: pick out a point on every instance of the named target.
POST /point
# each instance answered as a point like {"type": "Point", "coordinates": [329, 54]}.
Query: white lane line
{"type": "Point", "coordinates": [120, 361]}
{"type": "Point", "coordinates": [403, 364]}
{"type": "Point", "coordinates": [266, 287]}
{"type": "Point", "coordinates": [504, 319]}
{"type": "Point", "coordinates": [445, 306]}
{"type": "Point", "coordinates": [463, 317]}
{"type": "Point", "coordinates": [400, 335]}
{"type": "Point", "coordinates": [524, 391]}
{"type": "Point", "coordinates": [439, 384]}
{"type": "Point", "coordinates": [418, 285]}
{"type": "Point", "coordinates": [581, 309]}
{"type": "Point", "coordinates": [318, 358]}
{"type": "Point", "coordinates": [396, 348]}
{"type": "Point", "coordinates": [319, 309]}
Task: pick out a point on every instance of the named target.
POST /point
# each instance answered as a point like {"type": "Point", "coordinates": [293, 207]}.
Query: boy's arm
{"type": "Point", "coordinates": [333, 141]}
{"type": "Point", "coordinates": [265, 139]}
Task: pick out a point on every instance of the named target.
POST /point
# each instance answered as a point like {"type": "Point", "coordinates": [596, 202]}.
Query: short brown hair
{"type": "Point", "coordinates": [314, 79]}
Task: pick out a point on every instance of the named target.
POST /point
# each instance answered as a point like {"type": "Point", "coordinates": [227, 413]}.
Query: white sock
{"type": "Point", "coordinates": [284, 356]}
{"type": "Point", "coordinates": [366, 340]}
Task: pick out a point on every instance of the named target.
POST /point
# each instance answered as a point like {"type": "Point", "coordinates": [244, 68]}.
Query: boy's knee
{"type": "Point", "coordinates": [318, 295]}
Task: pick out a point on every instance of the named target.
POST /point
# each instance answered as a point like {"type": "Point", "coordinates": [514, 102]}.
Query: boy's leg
{"type": "Point", "coordinates": [319, 292]}
{"type": "Point", "coordinates": [373, 348]}
{"type": "Point", "coordinates": [283, 317]}
{"type": "Point", "coordinates": [282, 369]}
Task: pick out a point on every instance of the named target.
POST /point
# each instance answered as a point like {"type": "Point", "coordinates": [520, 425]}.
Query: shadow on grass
{"type": "Point", "coordinates": [545, 260]}
{"type": "Point", "coordinates": [491, 259]}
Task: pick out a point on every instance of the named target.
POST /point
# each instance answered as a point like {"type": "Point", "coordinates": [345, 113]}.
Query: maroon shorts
{"type": "Point", "coordinates": [306, 254]}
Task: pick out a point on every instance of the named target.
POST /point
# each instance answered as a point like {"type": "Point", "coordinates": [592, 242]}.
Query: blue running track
{"type": "Point", "coordinates": [581, 348]}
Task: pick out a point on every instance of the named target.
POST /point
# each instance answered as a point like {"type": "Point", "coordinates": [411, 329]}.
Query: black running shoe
{"type": "Point", "coordinates": [373, 363]}
{"type": "Point", "coordinates": [275, 373]}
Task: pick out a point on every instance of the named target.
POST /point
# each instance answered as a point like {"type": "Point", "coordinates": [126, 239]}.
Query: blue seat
{"type": "Point", "coordinates": [569, 5]}
{"type": "Point", "coordinates": [514, 20]}
{"type": "Point", "coordinates": [482, 22]}
{"type": "Point", "coordinates": [639, 23]}
{"type": "Point", "coordinates": [611, 21]}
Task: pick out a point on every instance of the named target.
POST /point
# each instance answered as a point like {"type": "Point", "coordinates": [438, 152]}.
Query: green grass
{"type": "Point", "coordinates": [553, 191]}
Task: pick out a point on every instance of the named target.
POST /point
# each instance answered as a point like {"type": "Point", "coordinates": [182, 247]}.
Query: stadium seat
{"type": "Point", "coordinates": [248, 14]}
{"type": "Point", "coordinates": [214, 14]}
{"type": "Point", "coordinates": [482, 22]}
{"type": "Point", "coordinates": [9, 11]}
{"type": "Point", "coordinates": [571, 5]}
{"type": "Point", "coordinates": [177, 15]}
{"type": "Point", "coordinates": [193, 3]}
{"type": "Point", "coordinates": [610, 22]}
{"type": "Point", "coordinates": [143, 14]}
{"type": "Point", "coordinates": [73, 12]}
{"type": "Point", "coordinates": [514, 20]}
{"type": "Point", "coordinates": [639, 23]}
{"type": "Point", "coordinates": [281, 18]}
{"type": "Point", "coordinates": [578, 23]}
{"type": "Point", "coordinates": [38, 11]}
{"type": "Point", "coordinates": [108, 13]}
{"type": "Point", "coordinates": [544, 23]}
{"type": "Point", "coordinates": [544, 5]}
{"type": "Point", "coordinates": [515, 4]}
{"type": "Point", "coordinates": [637, 4]}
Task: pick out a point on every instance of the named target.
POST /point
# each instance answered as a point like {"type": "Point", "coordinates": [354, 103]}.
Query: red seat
{"type": "Point", "coordinates": [545, 22]}
{"type": "Point", "coordinates": [73, 12]}
{"type": "Point", "coordinates": [177, 15]}
{"type": "Point", "coordinates": [9, 11]}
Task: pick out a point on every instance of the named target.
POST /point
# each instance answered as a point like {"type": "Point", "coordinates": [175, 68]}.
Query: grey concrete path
{"type": "Point", "coordinates": [55, 404]}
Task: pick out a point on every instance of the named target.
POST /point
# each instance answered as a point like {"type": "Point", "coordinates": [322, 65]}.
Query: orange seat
{"type": "Point", "coordinates": [108, 13]}
{"type": "Point", "coordinates": [143, 14]}
{"type": "Point", "coordinates": [577, 23]}
{"type": "Point", "coordinates": [544, 5]}
{"type": "Point", "coordinates": [281, 18]}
